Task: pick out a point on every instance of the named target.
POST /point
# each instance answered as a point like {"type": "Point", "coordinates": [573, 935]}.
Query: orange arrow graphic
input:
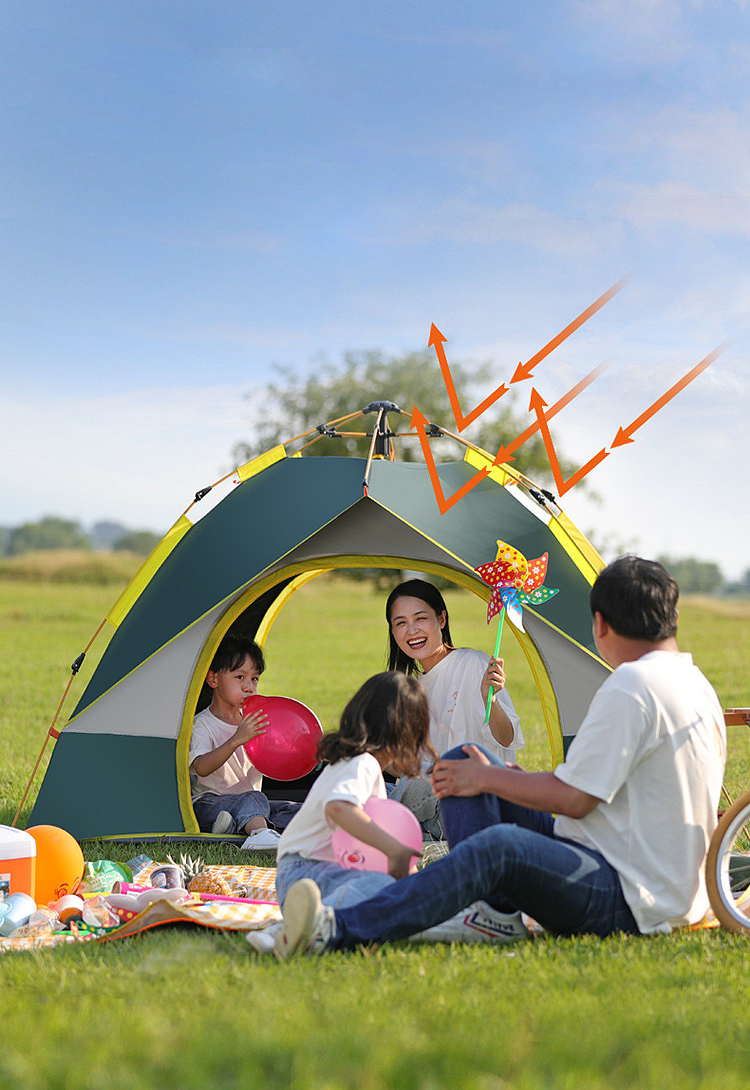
{"type": "Point", "coordinates": [625, 435]}
{"type": "Point", "coordinates": [524, 370]}
{"type": "Point", "coordinates": [537, 404]}
{"type": "Point", "coordinates": [505, 454]}
{"type": "Point", "coordinates": [436, 341]}
{"type": "Point", "coordinates": [418, 421]}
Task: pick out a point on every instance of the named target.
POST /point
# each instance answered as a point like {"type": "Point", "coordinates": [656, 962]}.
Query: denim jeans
{"type": "Point", "coordinates": [503, 854]}
{"type": "Point", "coordinates": [243, 806]}
{"type": "Point", "coordinates": [338, 886]}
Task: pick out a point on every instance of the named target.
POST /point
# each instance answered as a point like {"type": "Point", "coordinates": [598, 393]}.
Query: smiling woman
{"type": "Point", "coordinates": [457, 680]}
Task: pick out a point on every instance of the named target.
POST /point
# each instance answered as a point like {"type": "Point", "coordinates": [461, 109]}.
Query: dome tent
{"type": "Point", "coordinates": [119, 765]}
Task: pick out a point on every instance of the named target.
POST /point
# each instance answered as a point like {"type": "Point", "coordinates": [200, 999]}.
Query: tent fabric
{"type": "Point", "coordinates": [281, 520]}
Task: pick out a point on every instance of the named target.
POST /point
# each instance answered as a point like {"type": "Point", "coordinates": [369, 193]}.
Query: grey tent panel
{"type": "Point", "coordinates": [367, 529]}
{"type": "Point", "coordinates": [574, 675]}
{"type": "Point", "coordinates": [150, 700]}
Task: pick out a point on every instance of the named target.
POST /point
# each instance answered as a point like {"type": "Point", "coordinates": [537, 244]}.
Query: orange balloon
{"type": "Point", "coordinates": [59, 863]}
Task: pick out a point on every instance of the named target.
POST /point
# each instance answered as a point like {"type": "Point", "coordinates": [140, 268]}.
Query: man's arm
{"type": "Point", "coordinates": [535, 790]}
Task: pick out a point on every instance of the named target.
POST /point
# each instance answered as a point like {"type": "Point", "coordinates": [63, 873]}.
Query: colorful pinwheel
{"type": "Point", "coordinates": [514, 580]}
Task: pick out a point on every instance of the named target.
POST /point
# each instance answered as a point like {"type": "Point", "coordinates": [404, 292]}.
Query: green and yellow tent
{"type": "Point", "coordinates": [119, 765]}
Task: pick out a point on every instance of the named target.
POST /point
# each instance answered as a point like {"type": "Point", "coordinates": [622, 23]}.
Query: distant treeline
{"type": "Point", "coordinates": [703, 577]}
{"type": "Point", "coordinates": [52, 532]}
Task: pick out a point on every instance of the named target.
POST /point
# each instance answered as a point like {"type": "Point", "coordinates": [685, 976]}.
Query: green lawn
{"type": "Point", "coordinates": [184, 1007]}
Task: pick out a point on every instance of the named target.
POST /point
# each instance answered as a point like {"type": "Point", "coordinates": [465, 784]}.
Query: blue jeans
{"type": "Point", "coordinates": [339, 886]}
{"type": "Point", "coordinates": [243, 807]}
{"type": "Point", "coordinates": [503, 854]}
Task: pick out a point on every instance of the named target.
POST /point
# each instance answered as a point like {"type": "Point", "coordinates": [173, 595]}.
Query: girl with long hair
{"type": "Point", "coordinates": [385, 724]}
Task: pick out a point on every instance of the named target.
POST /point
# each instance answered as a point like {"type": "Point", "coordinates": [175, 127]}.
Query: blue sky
{"type": "Point", "coordinates": [193, 193]}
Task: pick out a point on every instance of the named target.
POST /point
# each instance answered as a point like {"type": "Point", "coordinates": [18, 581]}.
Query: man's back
{"type": "Point", "coordinates": [653, 748]}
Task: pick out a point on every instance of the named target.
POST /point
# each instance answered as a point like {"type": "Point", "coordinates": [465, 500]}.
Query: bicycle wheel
{"type": "Point", "coordinates": [728, 867]}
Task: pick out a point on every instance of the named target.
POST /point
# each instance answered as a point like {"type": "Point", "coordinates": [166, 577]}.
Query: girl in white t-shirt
{"type": "Point", "coordinates": [385, 724]}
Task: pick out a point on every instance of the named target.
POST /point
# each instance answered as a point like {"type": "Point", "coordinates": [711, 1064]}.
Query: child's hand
{"type": "Point", "coordinates": [401, 861]}
{"type": "Point", "coordinates": [251, 726]}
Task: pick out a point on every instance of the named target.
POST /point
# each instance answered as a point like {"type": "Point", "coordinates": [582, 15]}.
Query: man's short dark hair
{"type": "Point", "coordinates": [637, 598]}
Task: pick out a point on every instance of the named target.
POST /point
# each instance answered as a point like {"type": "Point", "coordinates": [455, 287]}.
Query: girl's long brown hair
{"type": "Point", "coordinates": [389, 712]}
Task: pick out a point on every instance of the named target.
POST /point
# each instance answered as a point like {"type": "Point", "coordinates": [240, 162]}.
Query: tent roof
{"type": "Point", "coordinates": [300, 510]}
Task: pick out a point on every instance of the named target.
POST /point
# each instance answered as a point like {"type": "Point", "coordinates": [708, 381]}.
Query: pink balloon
{"type": "Point", "coordinates": [288, 749]}
{"type": "Point", "coordinates": [389, 815]}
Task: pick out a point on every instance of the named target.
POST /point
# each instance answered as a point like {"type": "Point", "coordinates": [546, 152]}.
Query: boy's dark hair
{"type": "Point", "coordinates": [389, 712]}
{"type": "Point", "coordinates": [414, 588]}
{"type": "Point", "coordinates": [637, 598]}
{"type": "Point", "coordinates": [234, 649]}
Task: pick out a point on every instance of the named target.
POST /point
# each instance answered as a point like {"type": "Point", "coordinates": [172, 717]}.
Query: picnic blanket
{"type": "Point", "coordinates": [254, 908]}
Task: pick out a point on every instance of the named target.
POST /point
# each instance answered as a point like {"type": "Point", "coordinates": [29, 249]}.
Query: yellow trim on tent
{"type": "Point", "coordinates": [182, 748]}
{"type": "Point", "coordinates": [585, 556]}
{"type": "Point", "coordinates": [256, 465]}
{"type": "Point", "coordinates": [148, 570]}
{"type": "Point", "coordinates": [576, 545]}
{"type": "Point", "coordinates": [280, 601]}
{"type": "Point", "coordinates": [547, 698]}
{"type": "Point", "coordinates": [501, 473]}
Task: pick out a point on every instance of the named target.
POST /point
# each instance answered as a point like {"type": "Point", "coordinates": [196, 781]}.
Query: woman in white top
{"type": "Point", "coordinates": [457, 681]}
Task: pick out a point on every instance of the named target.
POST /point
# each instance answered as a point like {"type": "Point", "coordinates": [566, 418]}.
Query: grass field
{"type": "Point", "coordinates": [184, 1007]}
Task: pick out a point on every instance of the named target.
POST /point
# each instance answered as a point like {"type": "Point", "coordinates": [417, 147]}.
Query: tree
{"type": "Point", "coordinates": [49, 532]}
{"type": "Point", "coordinates": [294, 405]}
{"type": "Point", "coordinates": [103, 535]}
{"type": "Point", "coordinates": [694, 576]}
{"type": "Point", "coordinates": [742, 586]}
{"type": "Point", "coordinates": [137, 541]}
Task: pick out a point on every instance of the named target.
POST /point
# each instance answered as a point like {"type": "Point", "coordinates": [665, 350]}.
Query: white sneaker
{"type": "Point", "coordinates": [308, 924]}
{"type": "Point", "coordinates": [477, 923]}
{"type": "Point", "coordinates": [262, 840]}
{"type": "Point", "coordinates": [224, 823]}
{"type": "Point", "coordinates": [263, 941]}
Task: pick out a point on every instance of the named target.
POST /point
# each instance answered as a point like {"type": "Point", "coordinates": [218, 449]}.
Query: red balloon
{"type": "Point", "coordinates": [288, 749]}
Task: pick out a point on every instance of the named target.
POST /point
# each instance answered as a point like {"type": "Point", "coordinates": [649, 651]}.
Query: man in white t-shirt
{"type": "Point", "coordinates": [635, 800]}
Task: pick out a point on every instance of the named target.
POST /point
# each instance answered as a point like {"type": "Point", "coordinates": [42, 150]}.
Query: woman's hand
{"type": "Point", "coordinates": [494, 675]}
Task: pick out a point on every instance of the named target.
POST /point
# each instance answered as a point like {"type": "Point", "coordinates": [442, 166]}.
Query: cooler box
{"type": "Point", "coordinates": [17, 862]}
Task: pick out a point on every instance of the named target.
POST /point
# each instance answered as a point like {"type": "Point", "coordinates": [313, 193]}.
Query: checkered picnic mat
{"type": "Point", "coordinates": [258, 907]}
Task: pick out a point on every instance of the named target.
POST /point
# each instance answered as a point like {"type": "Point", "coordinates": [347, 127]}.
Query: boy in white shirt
{"type": "Point", "coordinates": [225, 786]}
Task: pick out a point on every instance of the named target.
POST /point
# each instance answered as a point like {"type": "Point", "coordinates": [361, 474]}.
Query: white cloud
{"type": "Point", "coordinates": [679, 204]}
{"type": "Point", "coordinates": [466, 222]}
{"type": "Point", "coordinates": [635, 32]}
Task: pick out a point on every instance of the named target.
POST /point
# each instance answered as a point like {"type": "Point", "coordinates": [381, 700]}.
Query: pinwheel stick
{"type": "Point", "coordinates": [491, 693]}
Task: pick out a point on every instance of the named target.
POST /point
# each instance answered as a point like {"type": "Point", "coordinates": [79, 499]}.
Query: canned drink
{"type": "Point", "coordinates": [168, 876]}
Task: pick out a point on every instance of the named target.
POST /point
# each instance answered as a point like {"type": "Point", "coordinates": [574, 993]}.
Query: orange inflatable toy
{"type": "Point", "coordinates": [59, 863]}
